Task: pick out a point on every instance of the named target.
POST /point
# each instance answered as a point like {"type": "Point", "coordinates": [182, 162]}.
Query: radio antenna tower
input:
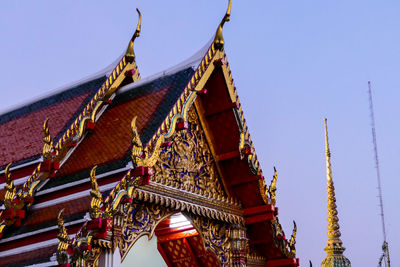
{"type": "Point", "coordinates": [385, 247]}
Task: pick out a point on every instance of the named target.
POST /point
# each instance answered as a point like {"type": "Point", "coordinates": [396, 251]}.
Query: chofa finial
{"type": "Point", "coordinates": [219, 39]}
{"type": "Point", "coordinates": [130, 55]}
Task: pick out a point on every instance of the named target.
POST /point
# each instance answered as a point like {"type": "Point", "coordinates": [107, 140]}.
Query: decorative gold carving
{"type": "Point", "coordinates": [97, 199]}
{"type": "Point", "coordinates": [130, 54]}
{"type": "Point", "coordinates": [48, 142]}
{"type": "Point", "coordinates": [292, 241]}
{"type": "Point", "coordinates": [334, 248]}
{"type": "Point", "coordinates": [255, 260]}
{"type": "Point", "coordinates": [10, 189]}
{"type": "Point", "coordinates": [188, 163]}
{"type": "Point", "coordinates": [223, 209]}
{"type": "Point", "coordinates": [279, 238]}
{"type": "Point", "coordinates": [62, 255]}
{"type": "Point", "coordinates": [272, 187]}
{"type": "Point", "coordinates": [140, 157]}
{"type": "Point", "coordinates": [216, 236]}
{"type": "Point", "coordinates": [219, 39]}
{"type": "Point", "coordinates": [89, 118]}
{"type": "Point", "coordinates": [142, 219]}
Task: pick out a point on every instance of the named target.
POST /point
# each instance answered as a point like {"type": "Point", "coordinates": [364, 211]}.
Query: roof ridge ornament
{"type": "Point", "coordinates": [130, 54]}
{"type": "Point", "coordinates": [219, 39]}
{"type": "Point", "coordinates": [48, 142]}
{"type": "Point", "coordinates": [334, 248]}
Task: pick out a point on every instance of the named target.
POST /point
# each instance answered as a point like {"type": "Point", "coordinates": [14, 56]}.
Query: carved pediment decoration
{"type": "Point", "coordinates": [188, 163]}
{"type": "Point", "coordinates": [142, 219]}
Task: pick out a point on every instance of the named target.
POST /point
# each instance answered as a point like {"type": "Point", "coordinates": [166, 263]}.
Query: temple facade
{"type": "Point", "coordinates": [117, 170]}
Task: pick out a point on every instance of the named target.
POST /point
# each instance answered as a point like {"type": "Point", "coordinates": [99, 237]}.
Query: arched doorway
{"type": "Point", "coordinates": [174, 242]}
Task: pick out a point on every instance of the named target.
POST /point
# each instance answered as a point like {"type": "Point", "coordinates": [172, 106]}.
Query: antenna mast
{"type": "Point", "coordinates": [385, 247]}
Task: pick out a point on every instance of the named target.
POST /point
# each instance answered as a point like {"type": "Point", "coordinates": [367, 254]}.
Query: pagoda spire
{"type": "Point", "coordinates": [334, 248]}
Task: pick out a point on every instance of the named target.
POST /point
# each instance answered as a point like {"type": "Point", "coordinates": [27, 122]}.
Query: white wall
{"type": "Point", "coordinates": [144, 253]}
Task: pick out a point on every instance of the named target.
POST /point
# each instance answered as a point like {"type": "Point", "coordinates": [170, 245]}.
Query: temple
{"type": "Point", "coordinates": [116, 170]}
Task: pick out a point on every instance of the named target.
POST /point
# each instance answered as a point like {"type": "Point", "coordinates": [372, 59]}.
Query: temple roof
{"type": "Point", "coordinates": [20, 129]}
{"type": "Point", "coordinates": [109, 103]}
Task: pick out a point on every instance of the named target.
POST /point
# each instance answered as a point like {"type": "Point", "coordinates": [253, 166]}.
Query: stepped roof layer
{"type": "Point", "coordinates": [102, 136]}
{"type": "Point", "coordinates": [21, 129]}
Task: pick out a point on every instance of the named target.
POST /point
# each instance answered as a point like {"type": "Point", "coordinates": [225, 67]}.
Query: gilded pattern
{"type": "Point", "coordinates": [216, 236]}
{"type": "Point", "coordinates": [188, 162]}
{"type": "Point", "coordinates": [141, 219]}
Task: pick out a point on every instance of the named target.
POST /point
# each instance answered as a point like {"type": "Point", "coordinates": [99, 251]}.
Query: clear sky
{"type": "Point", "coordinates": [294, 63]}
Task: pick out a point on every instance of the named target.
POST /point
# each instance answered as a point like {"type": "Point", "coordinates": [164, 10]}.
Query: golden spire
{"type": "Point", "coordinates": [219, 39]}
{"type": "Point", "coordinates": [130, 55]}
{"type": "Point", "coordinates": [334, 248]}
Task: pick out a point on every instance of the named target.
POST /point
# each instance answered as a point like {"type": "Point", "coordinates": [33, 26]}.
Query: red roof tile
{"type": "Point", "coordinates": [22, 138]}
{"type": "Point", "coordinates": [111, 138]}
{"type": "Point", "coordinates": [29, 256]}
{"type": "Point", "coordinates": [47, 214]}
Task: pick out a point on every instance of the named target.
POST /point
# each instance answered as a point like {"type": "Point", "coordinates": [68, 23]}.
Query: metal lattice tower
{"type": "Point", "coordinates": [385, 247]}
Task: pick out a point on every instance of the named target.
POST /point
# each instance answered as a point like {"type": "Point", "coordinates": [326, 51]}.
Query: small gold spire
{"type": "Point", "coordinates": [292, 241]}
{"type": "Point", "coordinates": [130, 55]}
{"type": "Point", "coordinates": [97, 199]}
{"type": "Point", "coordinates": [334, 248]}
{"type": "Point", "coordinates": [10, 188]}
{"type": "Point", "coordinates": [48, 143]}
{"type": "Point", "coordinates": [272, 187]}
{"type": "Point", "coordinates": [219, 39]}
{"type": "Point", "coordinates": [62, 256]}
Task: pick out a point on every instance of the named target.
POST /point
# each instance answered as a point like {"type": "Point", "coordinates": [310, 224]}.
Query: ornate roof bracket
{"type": "Point", "coordinates": [219, 39]}
{"type": "Point", "coordinates": [221, 208]}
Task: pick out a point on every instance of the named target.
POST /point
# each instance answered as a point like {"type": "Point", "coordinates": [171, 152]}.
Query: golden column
{"type": "Point", "coordinates": [334, 248]}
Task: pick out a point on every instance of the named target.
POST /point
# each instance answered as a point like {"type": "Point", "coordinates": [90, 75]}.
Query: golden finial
{"type": "Point", "coordinates": [62, 256]}
{"type": "Point", "coordinates": [130, 55]}
{"type": "Point", "coordinates": [219, 39]}
{"type": "Point", "coordinates": [334, 248]}
{"type": "Point", "coordinates": [292, 241]}
{"type": "Point", "coordinates": [272, 187]}
{"type": "Point", "coordinates": [48, 143]}
{"type": "Point", "coordinates": [9, 187]}
{"type": "Point", "coordinates": [97, 199]}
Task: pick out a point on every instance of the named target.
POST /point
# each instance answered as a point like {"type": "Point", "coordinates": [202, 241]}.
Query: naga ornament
{"type": "Point", "coordinates": [10, 189]}
{"type": "Point", "coordinates": [272, 188]}
{"type": "Point", "coordinates": [292, 241]}
{"type": "Point", "coordinates": [139, 156]}
{"type": "Point", "coordinates": [97, 199]}
{"type": "Point", "coordinates": [62, 249]}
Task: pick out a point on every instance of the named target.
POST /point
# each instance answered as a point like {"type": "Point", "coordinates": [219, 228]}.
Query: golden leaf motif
{"type": "Point", "coordinates": [188, 163]}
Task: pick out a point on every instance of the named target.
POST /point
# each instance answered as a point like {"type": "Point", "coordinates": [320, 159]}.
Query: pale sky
{"type": "Point", "coordinates": [294, 63]}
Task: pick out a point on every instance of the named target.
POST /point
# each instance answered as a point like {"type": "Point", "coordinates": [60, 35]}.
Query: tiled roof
{"type": "Point", "coordinates": [31, 257]}
{"type": "Point", "coordinates": [21, 130]}
{"type": "Point", "coordinates": [111, 139]}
